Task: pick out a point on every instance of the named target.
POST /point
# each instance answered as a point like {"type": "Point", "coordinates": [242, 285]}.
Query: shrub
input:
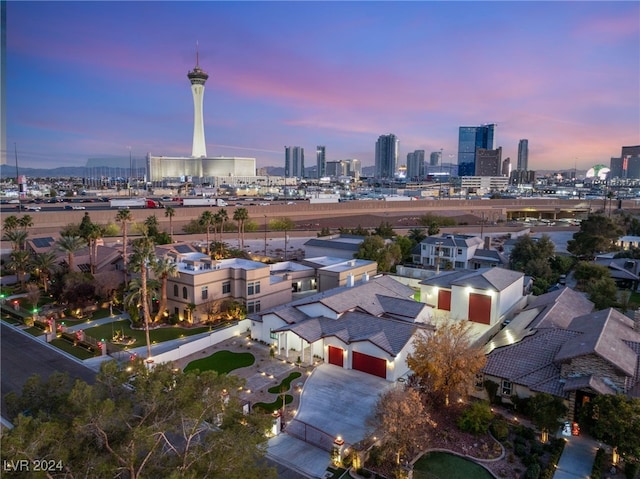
{"type": "Point", "coordinates": [476, 418]}
{"type": "Point", "coordinates": [533, 471]}
{"type": "Point", "coordinates": [500, 429]}
{"type": "Point", "coordinates": [537, 448]}
{"type": "Point", "coordinates": [598, 464]}
{"type": "Point", "coordinates": [520, 450]}
{"type": "Point", "coordinates": [631, 470]}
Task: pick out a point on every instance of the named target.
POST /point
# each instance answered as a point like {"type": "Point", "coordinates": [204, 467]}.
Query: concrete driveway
{"type": "Point", "coordinates": [577, 458]}
{"type": "Point", "coordinates": [335, 401]}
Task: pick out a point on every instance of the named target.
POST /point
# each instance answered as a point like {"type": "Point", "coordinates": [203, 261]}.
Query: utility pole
{"type": "Point", "coordinates": [265, 235]}
{"type": "Point", "coordinates": [15, 146]}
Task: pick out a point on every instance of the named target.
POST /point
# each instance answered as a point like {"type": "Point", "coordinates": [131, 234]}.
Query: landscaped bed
{"type": "Point", "coordinates": [444, 465]}
{"type": "Point", "coordinates": [222, 362]}
{"type": "Point", "coordinates": [272, 406]}
{"type": "Point", "coordinates": [285, 384]}
{"type": "Point", "coordinates": [76, 351]}
{"type": "Point", "coordinates": [157, 335]}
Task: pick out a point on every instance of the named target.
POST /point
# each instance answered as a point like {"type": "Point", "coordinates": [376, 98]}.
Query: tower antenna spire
{"type": "Point", "coordinates": [197, 54]}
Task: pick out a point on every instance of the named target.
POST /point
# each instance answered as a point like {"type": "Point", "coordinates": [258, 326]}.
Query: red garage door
{"type": "Point", "coordinates": [336, 356]}
{"type": "Point", "coordinates": [444, 300]}
{"type": "Point", "coordinates": [370, 364]}
{"type": "Point", "coordinates": [480, 308]}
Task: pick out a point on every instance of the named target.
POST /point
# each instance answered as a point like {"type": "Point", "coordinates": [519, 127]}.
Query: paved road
{"type": "Point", "coordinates": [23, 356]}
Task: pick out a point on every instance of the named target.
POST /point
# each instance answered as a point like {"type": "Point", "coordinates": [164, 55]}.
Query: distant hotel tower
{"type": "Point", "coordinates": [470, 139]}
{"type": "Point", "coordinates": [387, 148]}
{"type": "Point", "coordinates": [198, 78]}
{"type": "Point", "coordinates": [321, 161]}
{"type": "Point", "coordinates": [523, 155]}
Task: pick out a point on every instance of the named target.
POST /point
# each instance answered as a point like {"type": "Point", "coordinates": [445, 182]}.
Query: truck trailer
{"type": "Point", "coordinates": [134, 203]}
{"type": "Point", "coordinates": [203, 202]}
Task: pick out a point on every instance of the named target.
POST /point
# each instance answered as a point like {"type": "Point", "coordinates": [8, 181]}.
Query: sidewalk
{"type": "Point", "coordinates": [97, 322]}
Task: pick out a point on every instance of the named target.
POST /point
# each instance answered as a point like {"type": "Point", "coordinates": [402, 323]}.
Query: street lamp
{"type": "Point", "coordinates": [265, 235]}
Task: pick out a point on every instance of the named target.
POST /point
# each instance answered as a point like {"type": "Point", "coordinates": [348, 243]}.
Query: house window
{"type": "Point", "coordinates": [273, 335]}
{"type": "Point", "coordinates": [253, 307]}
{"type": "Point", "coordinates": [175, 290]}
{"type": "Point", "coordinates": [506, 388]}
{"type": "Point", "coordinates": [205, 293]}
{"type": "Point", "coordinates": [479, 382]}
{"type": "Point", "coordinates": [459, 251]}
{"type": "Point", "coordinates": [185, 295]}
{"type": "Point", "coordinates": [226, 287]}
{"type": "Point", "coordinates": [253, 288]}
{"type": "Point", "coordinates": [459, 264]}
{"type": "Point", "coordinates": [176, 311]}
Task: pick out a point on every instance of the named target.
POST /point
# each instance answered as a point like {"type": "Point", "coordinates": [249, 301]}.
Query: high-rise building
{"type": "Point", "coordinates": [523, 155]}
{"type": "Point", "coordinates": [435, 158]}
{"type": "Point", "coordinates": [506, 167]}
{"type": "Point", "coordinates": [321, 162]}
{"type": "Point", "coordinates": [198, 78]}
{"type": "Point", "coordinates": [628, 165]}
{"type": "Point", "coordinates": [354, 168]}
{"type": "Point", "coordinates": [488, 162]}
{"type": "Point", "coordinates": [470, 138]}
{"type": "Point", "coordinates": [387, 148]}
{"type": "Point", "coordinates": [336, 169]}
{"type": "Point", "coordinates": [293, 162]}
{"type": "Point", "coordinates": [415, 165]}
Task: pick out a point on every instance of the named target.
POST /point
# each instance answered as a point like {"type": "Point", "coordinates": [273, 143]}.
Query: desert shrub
{"type": "Point", "coordinates": [476, 418]}
{"type": "Point", "coordinates": [500, 429]}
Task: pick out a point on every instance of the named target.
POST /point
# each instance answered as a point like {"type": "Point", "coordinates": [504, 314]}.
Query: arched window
{"type": "Point", "coordinates": [184, 293]}
{"type": "Point", "coordinates": [175, 290]}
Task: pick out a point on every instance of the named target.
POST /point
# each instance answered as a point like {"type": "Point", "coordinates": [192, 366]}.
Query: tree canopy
{"type": "Point", "coordinates": [137, 422]}
{"type": "Point", "coordinates": [445, 360]}
{"type": "Point", "coordinates": [597, 234]}
{"type": "Point", "coordinates": [374, 248]}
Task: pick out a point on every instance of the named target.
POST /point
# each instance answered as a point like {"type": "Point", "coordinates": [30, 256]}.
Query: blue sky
{"type": "Point", "coordinates": [89, 79]}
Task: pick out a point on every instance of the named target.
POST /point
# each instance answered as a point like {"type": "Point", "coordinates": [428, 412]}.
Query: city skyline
{"type": "Point", "coordinates": [89, 79]}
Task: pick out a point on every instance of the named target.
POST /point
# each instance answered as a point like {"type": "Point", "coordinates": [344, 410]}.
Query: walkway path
{"type": "Point", "coordinates": [577, 458]}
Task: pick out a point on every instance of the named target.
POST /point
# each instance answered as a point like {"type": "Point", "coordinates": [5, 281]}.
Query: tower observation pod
{"type": "Point", "coordinates": [198, 78]}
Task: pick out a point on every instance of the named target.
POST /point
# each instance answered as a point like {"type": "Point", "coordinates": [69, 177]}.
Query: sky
{"type": "Point", "coordinates": [94, 79]}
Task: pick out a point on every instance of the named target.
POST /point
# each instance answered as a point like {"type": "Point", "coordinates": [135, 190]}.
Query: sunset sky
{"type": "Point", "coordinates": [91, 79]}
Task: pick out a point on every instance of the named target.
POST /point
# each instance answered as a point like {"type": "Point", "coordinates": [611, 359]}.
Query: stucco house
{"type": "Point", "coordinates": [560, 346]}
{"type": "Point", "coordinates": [369, 327]}
{"type": "Point", "coordinates": [484, 297]}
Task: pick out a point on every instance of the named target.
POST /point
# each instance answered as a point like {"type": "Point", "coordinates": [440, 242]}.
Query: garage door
{"type": "Point", "coordinates": [336, 356]}
{"type": "Point", "coordinates": [370, 364]}
{"type": "Point", "coordinates": [479, 308]}
{"type": "Point", "coordinates": [444, 300]}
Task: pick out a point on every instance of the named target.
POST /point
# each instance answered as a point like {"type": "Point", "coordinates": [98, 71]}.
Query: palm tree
{"type": "Point", "coordinates": [94, 234]}
{"type": "Point", "coordinates": [10, 223]}
{"type": "Point", "coordinates": [223, 217]}
{"type": "Point", "coordinates": [124, 217]}
{"type": "Point", "coordinates": [241, 215]}
{"type": "Point", "coordinates": [417, 234]}
{"type": "Point", "coordinates": [25, 221]}
{"type": "Point", "coordinates": [163, 269]}
{"type": "Point", "coordinates": [207, 220]}
{"type": "Point", "coordinates": [169, 212]}
{"type": "Point", "coordinates": [142, 257]}
{"type": "Point", "coordinates": [19, 262]}
{"type": "Point", "coordinates": [70, 244]}
{"type": "Point", "coordinates": [44, 263]}
{"type": "Point", "coordinates": [17, 237]}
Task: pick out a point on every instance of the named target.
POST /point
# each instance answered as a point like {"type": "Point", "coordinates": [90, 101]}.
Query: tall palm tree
{"type": "Point", "coordinates": [123, 217]}
{"type": "Point", "coordinates": [93, 235]}
{"type": "Point", "coordinates": [207, 220]}
{"type": "Point", "coordinates": [223, 217]}
{"type": "Point", "coordinates": [19, 262]}
{"type": "Point", "coordinates": [70, 244]}
{"type": "Point", "coordinates": [163, 269]}
{"type": "Point", "coordinates": [142, 257]}
{"type": "Point", "coordinates": [241, 215]}
{"type": "Point", "coordinates": [25, 221]}
{"type": "Point", "coordinates": [170, 212]}
{"type": "Point", "coordinates": [44, 263]}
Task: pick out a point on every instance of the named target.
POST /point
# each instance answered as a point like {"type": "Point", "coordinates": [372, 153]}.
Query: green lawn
{"type": "Point", "coordinates": [222, 362]}
{"type": "Point", "coordinates": [285, 384]}
{"type": "Point", "coordinates": [105, 331]}
{"type": "Point", "coordinates": [272, 406]}
{"type": "Point", "coordinates": [443, 465]}
{"type": "Point", "coordinates": [79, 353]}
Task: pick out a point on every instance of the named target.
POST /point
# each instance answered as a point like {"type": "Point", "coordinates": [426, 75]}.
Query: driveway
{"type": "Point", "coordinates": [334, 402]}
{"type": "Point", "coordinates": [577, 458]}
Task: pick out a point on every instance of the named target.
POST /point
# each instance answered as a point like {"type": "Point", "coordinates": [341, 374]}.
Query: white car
{"type": "Point", "coordinates": [78, 207]}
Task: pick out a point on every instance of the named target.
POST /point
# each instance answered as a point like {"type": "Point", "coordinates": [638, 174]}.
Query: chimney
{"type": "Point", "coordinates": [365, 277]}
{"type": "Point", "coordinates": [350, 280]}
{"type": "Point", "coordinates": [487, 242]}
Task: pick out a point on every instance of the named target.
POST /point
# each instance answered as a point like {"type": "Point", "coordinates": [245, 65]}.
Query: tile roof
{"type": "Point", "coordinates": [456, 241]}
{"type": "Point", "coordinates": [602, 334]}
{"type": "Point", "coordinates": [483, 278]}
{"type": "Point", "coordinates": [388, 334]}
{"type": "Point", "coordinates": [558, 308]}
